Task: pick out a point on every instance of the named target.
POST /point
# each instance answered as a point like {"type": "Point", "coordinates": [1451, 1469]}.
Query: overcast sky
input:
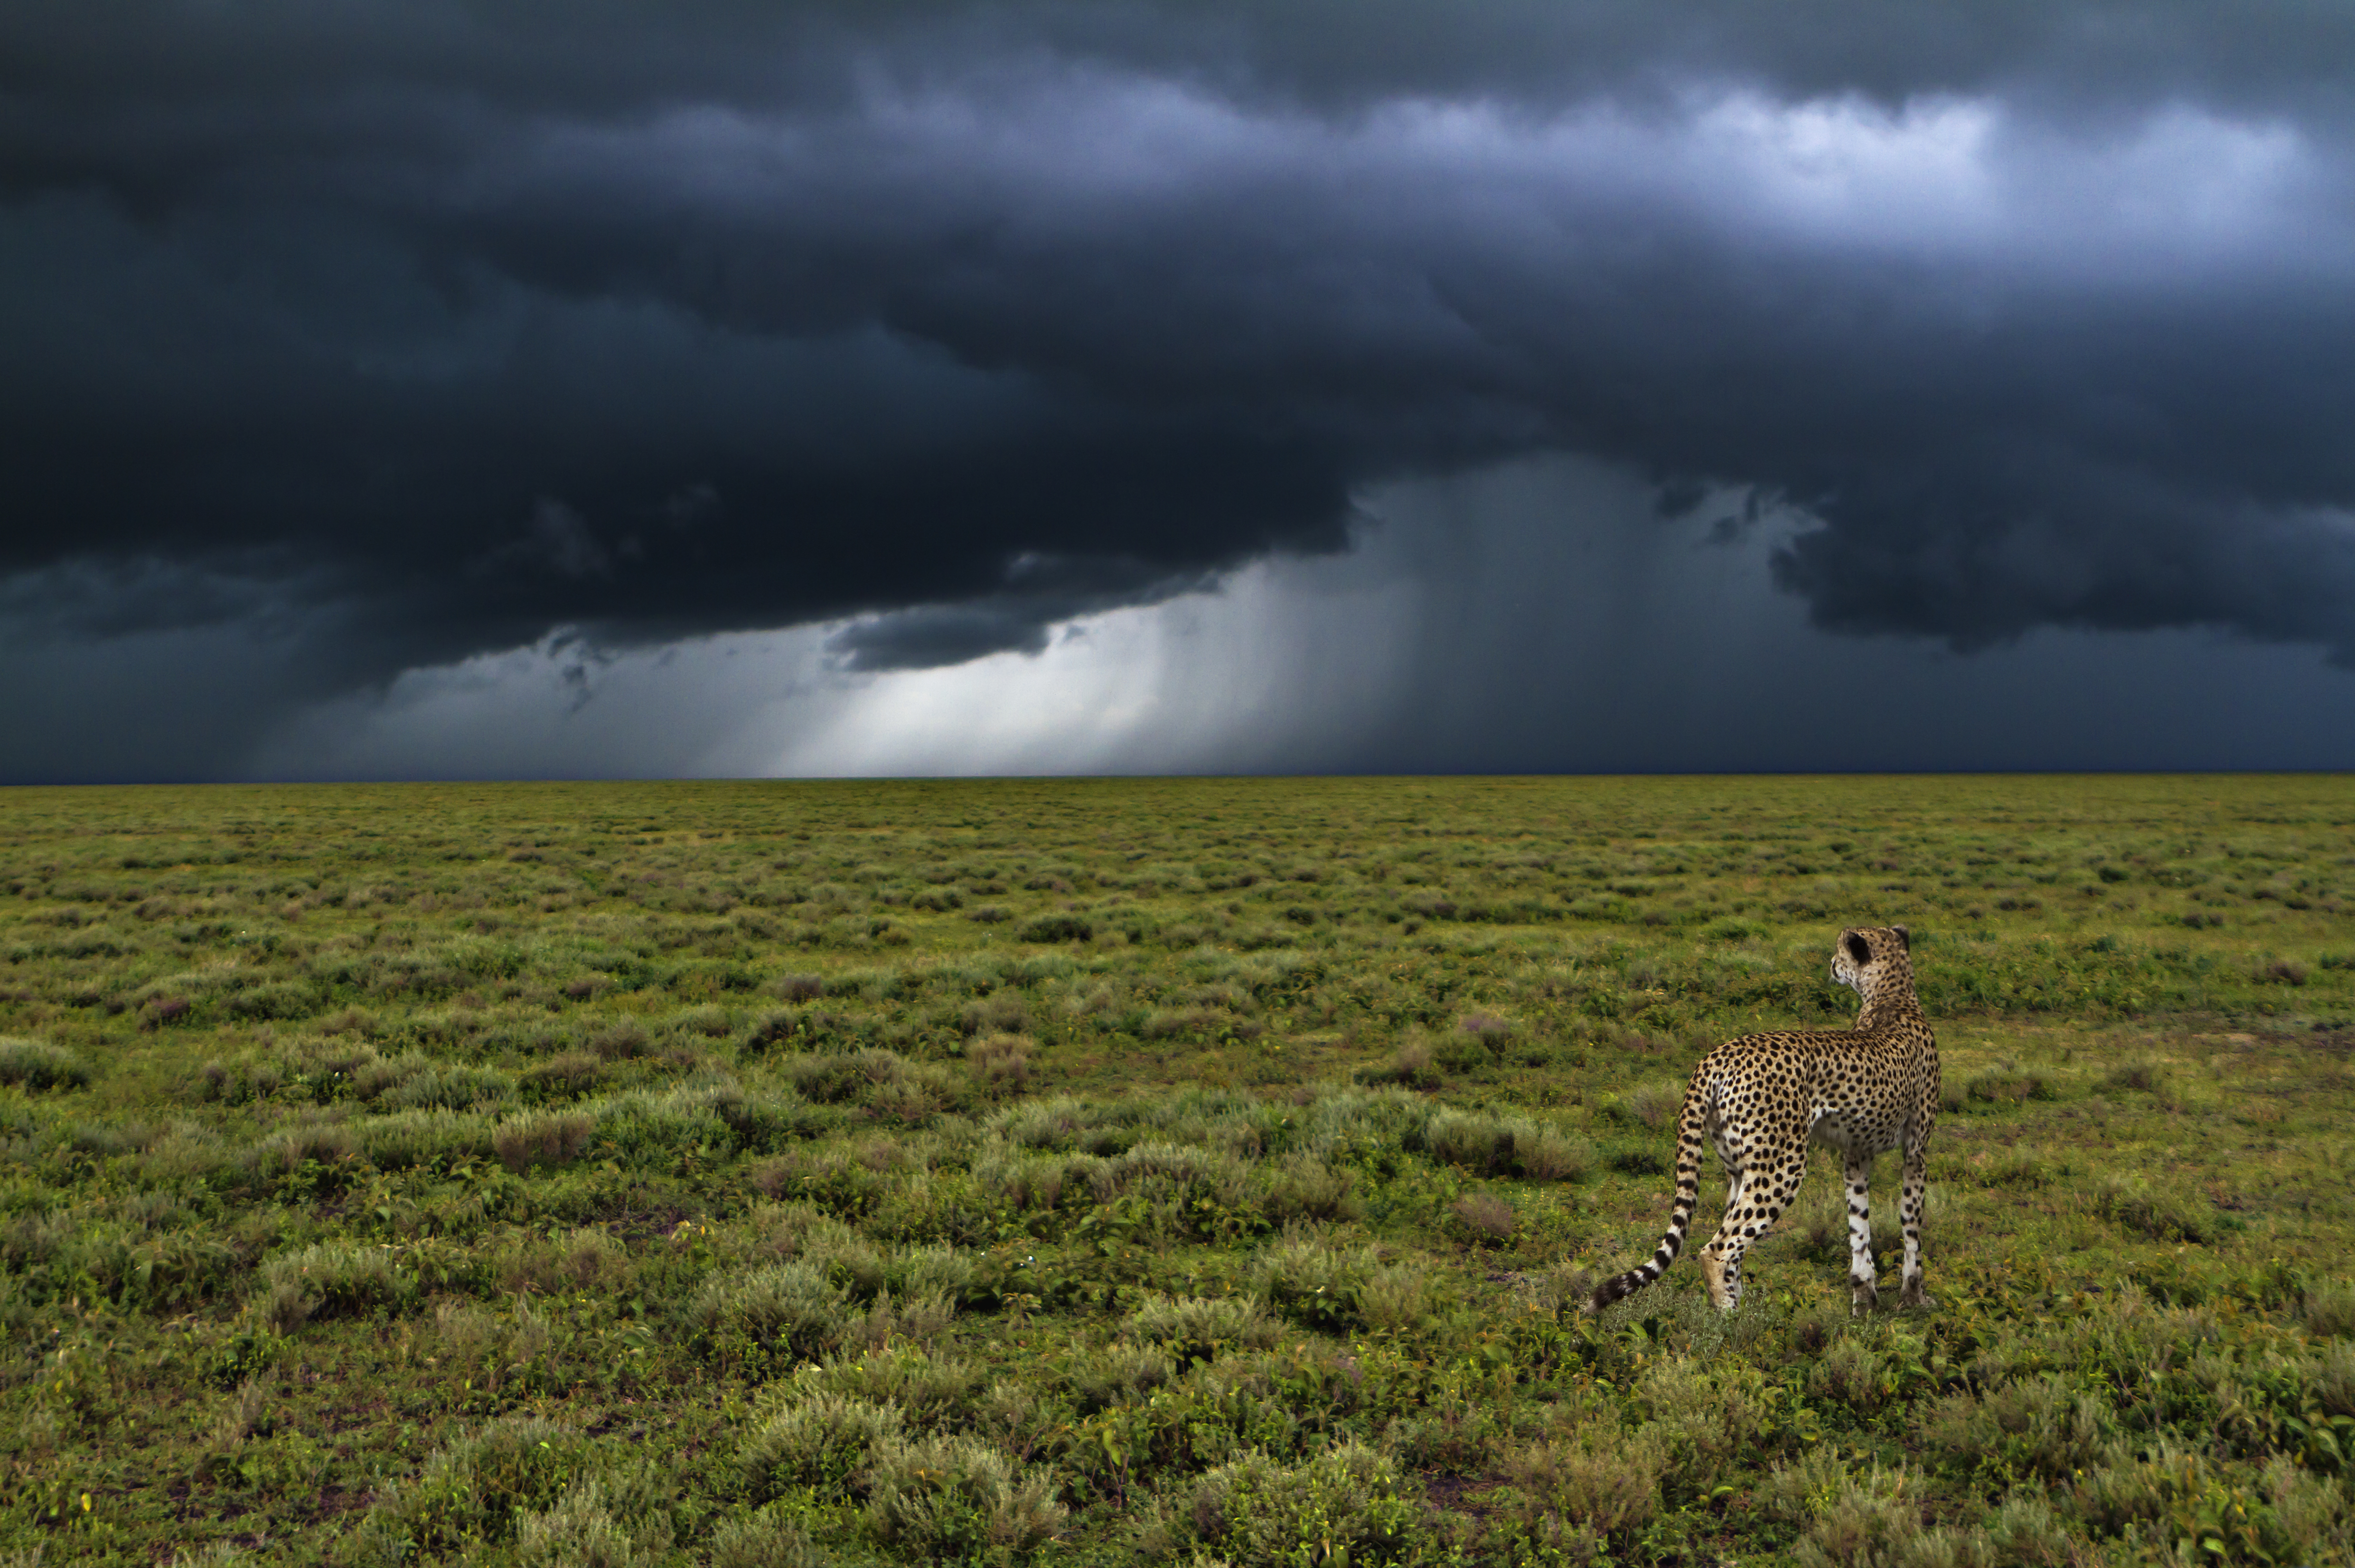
{"type": "Point", "coordinates": [425, 389]}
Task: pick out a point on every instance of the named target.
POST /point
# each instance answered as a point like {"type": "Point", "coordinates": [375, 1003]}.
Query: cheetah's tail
{"type": "Point", "coordinates": [1691, 1134]}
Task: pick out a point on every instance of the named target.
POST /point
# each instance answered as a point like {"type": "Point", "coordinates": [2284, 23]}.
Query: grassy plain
{"type": "Point", "coordinates": [1125, 1172]}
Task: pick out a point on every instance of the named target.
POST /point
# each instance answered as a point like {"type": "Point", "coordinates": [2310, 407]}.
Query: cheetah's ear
{"type": "Point", "coordinates": [1904, 938]}
{"type": "Point", "coordinates": [1857, 947]}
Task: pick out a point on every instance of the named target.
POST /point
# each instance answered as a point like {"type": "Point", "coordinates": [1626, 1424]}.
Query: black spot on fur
{"type": "Point", "coordinates": [1857, 947]}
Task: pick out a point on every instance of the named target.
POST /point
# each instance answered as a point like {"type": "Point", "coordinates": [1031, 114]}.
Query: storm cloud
{"type": "Point", "coordinates": [391, 337]}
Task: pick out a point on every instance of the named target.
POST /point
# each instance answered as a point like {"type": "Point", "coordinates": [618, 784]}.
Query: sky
{"type": "Point", "coordinates": [430, 389]}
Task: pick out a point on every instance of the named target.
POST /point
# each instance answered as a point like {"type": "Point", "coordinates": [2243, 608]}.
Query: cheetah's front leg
{"type": "Point", "coordinates": [1909, 1213]}
{"type": "Point", "coordinates": [1864, 1284]}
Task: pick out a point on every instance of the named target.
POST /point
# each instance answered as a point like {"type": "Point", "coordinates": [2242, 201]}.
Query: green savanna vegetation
{"type": "Point", "coordinates": [1205, 1171]}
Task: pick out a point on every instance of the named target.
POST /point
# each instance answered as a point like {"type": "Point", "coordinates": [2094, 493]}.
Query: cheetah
{"type": "Point", "coordinates": [1762, 1098]}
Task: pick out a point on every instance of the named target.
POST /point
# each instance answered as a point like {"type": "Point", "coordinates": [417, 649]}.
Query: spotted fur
{"type": "Point", "coordinates": [1762, 1098]}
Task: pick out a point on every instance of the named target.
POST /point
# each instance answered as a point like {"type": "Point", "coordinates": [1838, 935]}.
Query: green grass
{"type": "Point", "coordinates": [1129, 1172]}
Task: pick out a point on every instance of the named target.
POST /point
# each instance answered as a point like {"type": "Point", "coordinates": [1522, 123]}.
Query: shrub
{"type": "Point", "coordinates": [583, 1260]}
{"type": "Point", "coordinates": [1260, 1514]}
{"type": "Point", "coordinates": [1602, 1478]}
{"type": "Point", "coordinates": [821, 1440]}
{"type": "Point", "coordinates": [1492, 1031]}
{"type": "Point", "coordinates": [1397, 1299]}
{"type": "Point", "coordinates": [2332, 1379]}
{"type": "Point", "coordinates": [1478, 1143]}
{"type": "Point", "coordinates": [1305, 1188]}
{"type": "Point", "coordinates": [1853, 1373]}
{"type": "Point", "coordinates": [473, 1490]}
{"type": "Point", "coordinates": [2042, 1425]}
{"type": "Point", "coordinates": [2146, 1076]}
{"type": "Point", "coordinates": [1021, 1182]}
{"type": "Point", "coordinates": [1553, 1155]}
{"type": "Point", "coordinates": [1485, 1217]}
{"type": "Point", "coordinates": [454, 1088]}
{"type": "Point", "coordinates": [861, 1267]}
{"type": "Point", "coordinates": [1506, 1146]}
{"type": "Point", "coordinates": [955, 1500]}
{"type": "Point", "coordinates": [1055, 929]}
{"type": "Point", "coordinates": [1412, 1065]}
{"type": "Point", "coordinates": [1002, 1063]}
{"type": "Point", "coordinates": [621, 1041]}
{"type": "Point", "coordinates": [567, 1076]}
{"type": "Point", "coordinates": [1004, 1013]}
{"type": "Point", "coordinates": [429, 1138]}
{"type": "Point", "coordinates": [1655, 1105]}
{"type": "Point", "coordinates": [2330, 1309]}
{"type": "Point", "coordinates": [788, 1308]}
{"type": "Point", "coordinates": [2007, 1086]}
{"type": "Point", "coordinates": [1119, 1375]}
{"type": "Point", "coordinates": [592, 1528]}
{"type": "Point", "coordinates": [1710, 1411]}
{"type": "Point", "coordinates": [2162, 1214]}
{"type": "Point", "coordinates": [36, 1064]}
{"type": "Point", "coordinates": [924, 1387]}
{"type": "Point", "coordinates": [763, 1540]}
{"type": "Point", "coordinates": [1184, 1171]}
{"type": "Point", "coordinates": [1869, 1522]}
{"type": "Point", "coordinates": [1313, 1283]}
{"type": "Point", "coordinates": [931, 1271]}
{"type": "Point", "coordinates": [542, 1138]}
{"type": "Point", "coordinates": [1196, 1328]}
{"type": "Point", "coordinates": [331, 1279]}
{"type": "Point", "coordinates": [319, 1143]}
{"type": "Point", "coordinates": [2022, 1530]}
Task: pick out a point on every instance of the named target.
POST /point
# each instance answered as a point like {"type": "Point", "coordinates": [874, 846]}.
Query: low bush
{"type": "Point", "coordinates": [2008, 1085]}
{"type": "Point", "coordinates": [2047, 1426]}
{"type": "Point", "coordinates": [331, 1279]}
{"type": "Point", "coordinates": [2159, 1212]}
{"type": "Point", "coordinates": [1600, 1477]}
{"type": "Point", "coordinates": [566, 1076]}
{"type": "Point", "coordinates": [1196, 1328]}
{"type": "Point", "coordinates": [1303, 1187]}
{"type": "Point", "coordinates": [590, 1527]}
{"type": "Point", "coordinates": [820, 1439]}
{"type": "Point", "coordinates": [1346, 1504]}
{"type": "Point", "coordinates": [1486, 1218]}
{"type": "Point", "coordinates": [430, 1138]}
{"type": "Point", "coordinates": [542, 1138]}
{"type": "Point", "coordinates": [1870, 1521]}
{"type": "Point", "coordinates": [1055, 929]}
{"type": "Point", "coordinates": [473, 1491]}
{"type": "Point", "coordinates": [2329, 1308]}
{"type": "Point", "coordinates": [1002, 1063]}
{"type": "Point", "coordinates": [1313, 1282]}
{"type": "Point", "coordinates": [1119, 1374]}
{"type": "Point", "coordinates": [766, 1539]}
{"type": "Point", "coordinates": [36, 1064]}
{"type": "Point", "coordinates": [2147, 1076]}
{"type": "Point", "coordinates": [789, 1309]}
{"type": "Point", "coordinates": [955, 1499]}
{"type": "Point", "coordinates": [927, 1388]}
{"type": "Point", "coordinates": [1398, 1298]}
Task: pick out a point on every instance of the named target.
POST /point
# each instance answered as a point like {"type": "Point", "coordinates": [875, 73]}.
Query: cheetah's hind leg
{"type": "Point", "coordinates": [1723, 1292]}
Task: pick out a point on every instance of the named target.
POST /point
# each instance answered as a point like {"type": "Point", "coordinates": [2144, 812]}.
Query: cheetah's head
{"type": "Point", "coordinates": [1863, 952]}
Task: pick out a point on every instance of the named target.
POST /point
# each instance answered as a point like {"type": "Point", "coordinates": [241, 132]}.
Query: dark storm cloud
{"type": "Point", "coordinates": [428, 328]}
